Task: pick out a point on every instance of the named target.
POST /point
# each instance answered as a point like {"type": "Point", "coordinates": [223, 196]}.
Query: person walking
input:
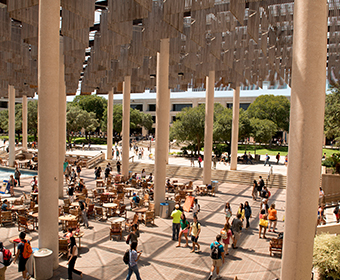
{"type": "Point", "coordinates": [226, 235]}
{"type": "Point", "coordinates": [255, 189]}
{"type": "Point", "coordinates": [184, 230]}
{"type": "Point", "coordinates": [263, 223]}
{"type": "Point", "coordinates": [83, 209]}
{"type": "Point", "coordinates": [195, 208]}
{"type": "Point", "coordinates": [176, 219]}
{"type": "Point", "coordinates": [228, 212]}
{"type": "Point", "coordinates": [260, 185]}
{"type": "Point", "coordinates": [199, 161]}
{"type": "Point", "coordinates": [24, 252]}
{"type": "Point", "coordinates": [217, 256]}
{"type": "Point", "coordinates": [192, 161]}
{"type": "Point", "coordinates": [236, 227]}
{"type": "Point", "coordinates": [247, 213]}
{"type": "Point", "coordinates": [17, 175]}
{"type": "Point", "coordinates": [267, 160]}
{"type": "Point", "coordinates": [195, 230]}
{"type": "Point", "coordinates": [133, 235]}
{"type": "Point", "coordinates": [278, 158]}
{"type": "Point", "coordinates": [118, 166]}
{"type": "Point", "coordinates": [2, 266]}
{"type": "Point", "coordinates": [272, 217]}
{"type": "Point", "coordinates": [78, 169]}
{"type": "Point", "coordinates": [134, 256]}
{"type": "Point", "coordinates": [241, 211]}
{"type": "Point", "coordinates": [72, 257]}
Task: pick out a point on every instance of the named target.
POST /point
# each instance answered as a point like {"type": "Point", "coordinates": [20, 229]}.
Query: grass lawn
{"type": "Point", "coordinates": [262, 150]}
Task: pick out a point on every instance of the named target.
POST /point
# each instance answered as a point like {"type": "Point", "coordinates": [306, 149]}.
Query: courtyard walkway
{"type": "Point", "coordinates": [101, 258]}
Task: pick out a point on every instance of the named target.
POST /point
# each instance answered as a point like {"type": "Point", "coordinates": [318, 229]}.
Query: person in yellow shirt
{"type": "Point", "coordinates": [176, 219]}
{"type": "Point", "coordinates": [195, 230]}
{"type": "Point", "coordinates": [241, 211]}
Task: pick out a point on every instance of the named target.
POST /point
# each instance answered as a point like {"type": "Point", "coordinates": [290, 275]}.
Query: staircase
{"type": "Point", "coordinates": [195, 173]}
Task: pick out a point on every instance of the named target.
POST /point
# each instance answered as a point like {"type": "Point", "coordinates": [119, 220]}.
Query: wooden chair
{"type": "Point", "coordinates": [72, 224]}
{"type": "Point", "coordinates": [122, 211]}
{"type": "Point", "coordinates": [130, 222]}
{"type": "Point", "coordinates": [66, 209]}
{"type": "Point", "coordinates": [190, 186]}
{"type": "Point", "coordinates": [120, 196]}
{"type": "Point", "coordinates": [275, 246]}
{"type": "Point", "coordinates": [99, 212]}
{"type": "Point", "coordinates": [24, 223]}
{"type": "Point", "coordinates": [6, 217]}
{"type": "Point", "coordinates": [67, 202]}
{"type": "Point", "coordinates": [103, 199]}
{"type": "Point", "coordinates": [32, 204]}
{"type": "Point", "coordinates": [149, 217]}
{"type": "Point", "coordinates": [116, 230]}
{"type": "Point", "coordinates": [75, 212]}
{"type": "Point", "coordinates": [146, 199]}
{"type": "Point", "coordinates": [63, 247]}
{"type": "Point", "coordinates": [151, 207]}
{"type": "Point", "coordinates": [90, 210]}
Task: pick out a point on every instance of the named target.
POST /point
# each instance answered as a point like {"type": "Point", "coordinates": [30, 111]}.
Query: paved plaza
{"type": "Point", "coordinates": [101, 258]}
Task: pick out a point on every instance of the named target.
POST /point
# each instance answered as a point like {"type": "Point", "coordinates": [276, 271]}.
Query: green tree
{"type": "Point", "coordinates": [76, 119]}
{"type": "Point", "coordinates": [270, 107]}
{"type": "Point", "coordinates": [137, 119]}
{"type": "Point", "coordinates": [18, 120]}
{"type": "Point", "coordinates": [262, 130]}
{"type": "Point", "coordinates": [91, 103]}
{"type": "Point", "coordinates": [332, 114]}
{"type": "Point", "coordinates": [189, 126]}
{"type": "Point", "coordinates": [32, 118]}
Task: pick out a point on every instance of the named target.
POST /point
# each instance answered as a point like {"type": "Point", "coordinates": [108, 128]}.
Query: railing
{"type": "Point", "coordinates": [132, 158]}
{"type": "Point", "coordinates": [95, 160]}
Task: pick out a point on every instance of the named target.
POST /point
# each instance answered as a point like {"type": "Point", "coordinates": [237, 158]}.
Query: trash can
{"type": "Point", "coordinates": [164, 210]}
{"type": "Point", "coordinates": [30, 262]}
{"type": "Point", "coordinates": [215, 184]}
{"type": "Point", "coordinates": [43, 264]}
{"type": "Point", "coordinates": [171, 206]}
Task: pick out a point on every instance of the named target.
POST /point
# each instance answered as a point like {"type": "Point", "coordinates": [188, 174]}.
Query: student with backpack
{"type": "Point", "coordinates": [217, 256]}
{"type": "Point", "coordinates": [5, 260]}
{"type": "Point", "coordinates": [131, 258]}
{"type": "Point", "coordinates": [23, 253]}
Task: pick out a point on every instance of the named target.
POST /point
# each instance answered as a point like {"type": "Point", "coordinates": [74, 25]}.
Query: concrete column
{"type": "Point", "coordinates": [48, 156]}
{"type": "Point", "coordinates": [109, 124]}
{"type": "Point", "coordinates": [126, 125]}
{"type": "Point", "coordinates": [162, 122]}
{"type": "Point", "coordinates": [62, 120]}
{"type": "Point", "coordinates": [306, 122]}
{"type": "Point", "coordinates": [234, 132]}
{"type": "Point", "coordinates": [168, 131]}
{"type": "Point", "coordinates": [24, 122]}
{"type": "Point", "coordinates": [208, 131]}
{"type": "Point", "coordinates": [11, 125]}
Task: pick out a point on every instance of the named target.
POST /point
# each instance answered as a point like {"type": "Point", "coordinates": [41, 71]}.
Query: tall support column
{"type": "Point", "coordinates": [109, 124]}
{"type": "Point", "coordinates": [24, 123]}
{"type": "Point", "coordinates": [209, 122]}
{"type": "Point", "coordinates": [306, 122]}
{"type": "Point", "coordinates": [234, 133]}
{"type": "Point", "coordinates": [11, 125]}
{"type": "Point", "coordinates": [48, 156]}
{"type": "Point", "coordinates": [62, 119]}
{"type": "Point", "coordinates": [126, 125]}
{"type": "Point", "coordinates": [162, 122]}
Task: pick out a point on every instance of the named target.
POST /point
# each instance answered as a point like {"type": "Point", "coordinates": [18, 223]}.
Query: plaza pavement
{"type": "Point", "coordinates": [101, 258]}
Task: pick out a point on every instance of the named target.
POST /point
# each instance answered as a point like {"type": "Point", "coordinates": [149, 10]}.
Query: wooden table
{"type": "Point", "coordinates": [109, 207]}
{"type": "Point", "coordinates": [110, 195]}
{"type": "Point", "coordinates": [65, 218]}
{"type": "Point", "coordinates": [5, 196]}
{"type": "Point", "coordinates": [141, 210]}
{"type": "Point", "coordinates": [14, 241]}
{"type": "Point", "coordinates": [17, 208]}
{"type": "Point", "coordinates": [79, 236]}
{"type": "Point", "coordinates": [116, 220]}
{"type": "Point", "coordinates": [34, 218]}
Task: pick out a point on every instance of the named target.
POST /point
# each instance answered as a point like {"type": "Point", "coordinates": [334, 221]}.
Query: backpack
{"type": "Point", "coordinates": [126, 257]}
{"type": "Point", "coordinates": [214, 254]}
{"type": "Point", "coordinates": [137, 199]}
{"type": "Point", "coordinates": [27, 252]}
{"type": "Point", "coordinates": [7, 256]}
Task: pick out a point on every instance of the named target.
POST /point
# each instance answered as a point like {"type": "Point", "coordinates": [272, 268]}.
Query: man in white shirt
{"type": "Point", "coordinates": [2, 267]}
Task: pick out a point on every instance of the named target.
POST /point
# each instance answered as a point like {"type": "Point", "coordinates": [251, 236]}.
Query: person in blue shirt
{"type": "Point", "coordinates": [218, 258]}
{"type": "Point", "coordinates": [4, 206]}
{"type": "Point", "coordinates": [134, 256]}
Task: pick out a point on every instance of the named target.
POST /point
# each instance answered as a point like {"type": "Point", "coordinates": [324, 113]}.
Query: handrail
{"type": "Point", "coordinates": [96, 159]}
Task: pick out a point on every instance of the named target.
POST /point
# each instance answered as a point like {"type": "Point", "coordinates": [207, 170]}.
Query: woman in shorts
{"type": "Point", "coordinates": [184, 230]}
{"type": "Point", "coordinates": [226, 234]}
{"type": "Point", "coordinates": [228, 212]}
{"type": "Point", "coordinates": [272, 217]}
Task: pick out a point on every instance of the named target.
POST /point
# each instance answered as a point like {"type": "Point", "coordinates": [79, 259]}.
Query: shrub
{"type": "Point", "coordinates": [326, 255]}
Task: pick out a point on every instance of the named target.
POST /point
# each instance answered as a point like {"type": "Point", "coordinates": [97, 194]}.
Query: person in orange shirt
{"type": "Point", "coordinates": [272, 217]}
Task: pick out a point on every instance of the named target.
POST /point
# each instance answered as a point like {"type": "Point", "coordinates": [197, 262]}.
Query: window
{"type": "Point", "coordinates": [3, 104]}
{"type": "Point", "coordinates": [179, 107]}
{"type": "Point", "coordinates": [174, 118]}
{"type": "Point", "coordinates": [152, 107]}
{"type": "Point", "coordinates": [154, 119]}
{"type": "Point", "coordinates": [229, 105]}
{"type": "Point", "coordinates": [138, 107]}
{"type": "Point", "coordinates": [244, 106]}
